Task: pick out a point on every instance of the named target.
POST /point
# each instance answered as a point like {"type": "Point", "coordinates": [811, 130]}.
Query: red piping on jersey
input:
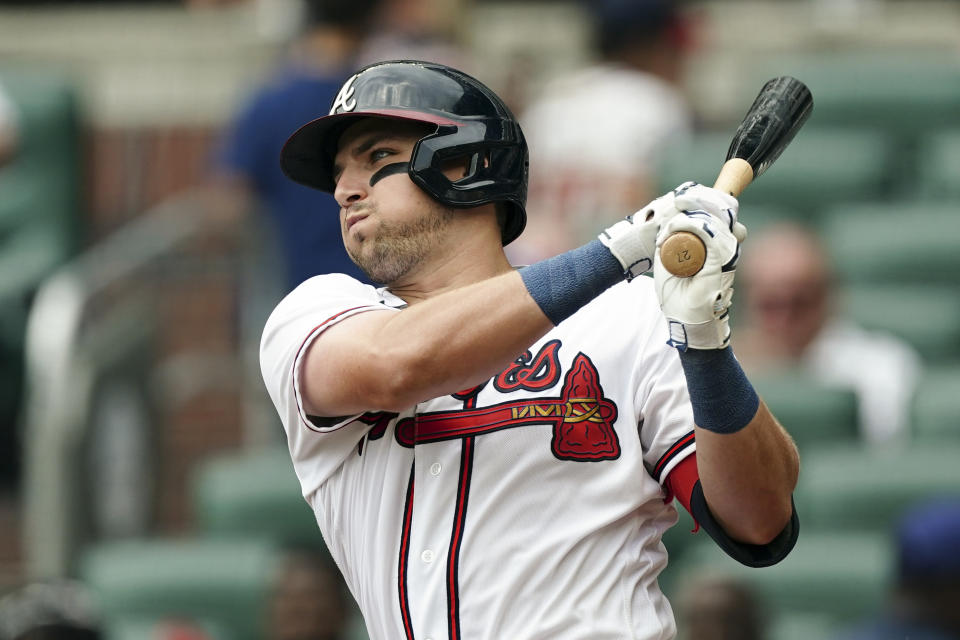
{"type": "Point", "coordinates": [453, 559]}
{"type": "Point", "coordinates": [404, 560]}
{"type": "Point", "coordinates": [300, 410]}
{"type": "Point", "coordinates": [671, 453]}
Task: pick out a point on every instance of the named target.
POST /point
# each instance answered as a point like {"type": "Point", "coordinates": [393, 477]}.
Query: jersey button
{"type": "Point", "coordinates": [435, 469]}
{"type": "Point", "coordinates": [427, 556]}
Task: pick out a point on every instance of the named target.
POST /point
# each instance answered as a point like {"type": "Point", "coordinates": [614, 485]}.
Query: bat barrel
{"type": "Point", "coordinates": [779, 110]}
{"type": "Point", "coordinates": [777, 113]}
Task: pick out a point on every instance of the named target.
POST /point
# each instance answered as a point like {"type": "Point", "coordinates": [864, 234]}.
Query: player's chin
{"type": "Point", "coordinates": [354, 240]}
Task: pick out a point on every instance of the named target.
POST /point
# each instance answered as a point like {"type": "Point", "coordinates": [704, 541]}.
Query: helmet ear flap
{"type": "Point", "coordinates": [493, 172]}
{"type": "Point", "coordinates": [489, 162]}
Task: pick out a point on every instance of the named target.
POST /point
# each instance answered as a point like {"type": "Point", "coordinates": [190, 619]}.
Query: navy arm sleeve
{"type": "Point", "coordinates": [751, 555]}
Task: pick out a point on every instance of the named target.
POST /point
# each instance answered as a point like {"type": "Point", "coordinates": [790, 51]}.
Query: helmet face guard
{"type": "Point", "coordinates": [472, 125]}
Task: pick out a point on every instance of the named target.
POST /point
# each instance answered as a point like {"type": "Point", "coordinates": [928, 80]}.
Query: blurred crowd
{"type": "Point", "coordinates": [598, 133]}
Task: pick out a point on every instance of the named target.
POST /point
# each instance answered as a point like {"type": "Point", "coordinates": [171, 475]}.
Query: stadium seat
{"type": "Point", "coordinates": [905, 241]}
{"type": "Point", "coordinates": [812, 412]}
{"type": "Point", "coordinates": [926, 316]}
{"type": "Point", "coordinates": [937, 161]}
{"type": "Point", "coordinates": [829, 577]}
{"type": "Point", "coordinates": [902, 95]}
{"type": "Point", "coordinates": [861, 489]}
{"type": "Point", "coordinates": [254, 494]}
{"type": "Point", "coordinates": [221, 584]}
{"type": "Point", "coordinates": [902, 92]}
{"type": "Point", "coordinates": [40, 212]}
{"type": "Point", "coordinates": [936, 406]}
{"type": "Point", "coordinates": [820, 168]}
{"type": "Point", "coordinates": [802, 626]}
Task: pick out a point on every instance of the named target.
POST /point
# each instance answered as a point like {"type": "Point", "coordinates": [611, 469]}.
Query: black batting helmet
{"type": "Point", "coordinates": [471, 121]}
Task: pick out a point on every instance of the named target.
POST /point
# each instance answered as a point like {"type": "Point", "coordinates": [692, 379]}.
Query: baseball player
{"type": "Point", "coordinates": [492, 452]}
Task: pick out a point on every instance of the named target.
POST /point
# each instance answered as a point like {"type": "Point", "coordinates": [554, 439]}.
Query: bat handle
{"type": "Point", "coordinates": [683, 253]}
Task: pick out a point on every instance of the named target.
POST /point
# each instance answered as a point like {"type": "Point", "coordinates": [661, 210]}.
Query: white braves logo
{"type": "Point", "coordinates": [345, 98]}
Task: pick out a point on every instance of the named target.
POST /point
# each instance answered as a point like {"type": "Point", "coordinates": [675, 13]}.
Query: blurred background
{"type": "Point", "coordinates": [145, 234]}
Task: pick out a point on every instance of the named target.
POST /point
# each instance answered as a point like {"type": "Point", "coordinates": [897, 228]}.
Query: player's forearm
{"type": "Point", "coordinates": [458, 339]}
{"type": "Point", "coordinates": [748, 477]}
{"type": "Point", "coordinates": [747, 463]}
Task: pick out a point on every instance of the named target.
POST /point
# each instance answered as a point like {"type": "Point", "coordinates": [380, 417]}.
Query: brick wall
{"type": "Point", "coordinates": [130, 169]}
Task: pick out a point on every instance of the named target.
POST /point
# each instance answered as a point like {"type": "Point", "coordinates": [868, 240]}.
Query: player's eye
{"type": "Point", "coordinates": [380, 154]}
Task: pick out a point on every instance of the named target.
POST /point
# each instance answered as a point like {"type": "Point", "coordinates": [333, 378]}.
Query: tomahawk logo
{"type": "Point", "coordinates": [581, 417]}
{"type": "Point", "coordinates": [345, 100]}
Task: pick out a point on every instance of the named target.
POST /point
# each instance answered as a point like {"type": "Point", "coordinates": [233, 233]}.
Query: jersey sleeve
{"type": "Point", "coordinates": [301, 317]}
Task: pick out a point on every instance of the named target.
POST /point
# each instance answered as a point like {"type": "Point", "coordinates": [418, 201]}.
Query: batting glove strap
{"type": "Point", "coordinates": [633, 240]}
{"type": "Point", "coordinates": [714, 334]}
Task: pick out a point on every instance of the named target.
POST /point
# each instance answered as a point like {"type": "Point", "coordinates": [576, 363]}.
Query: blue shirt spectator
{"type": "Point", "coordinates": [306, 221]}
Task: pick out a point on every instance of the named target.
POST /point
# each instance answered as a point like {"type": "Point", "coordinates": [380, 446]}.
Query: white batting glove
{"type": "Point", "coordinates": [697, 308]}
{"type": "Point", "coordinates": [633, 240]}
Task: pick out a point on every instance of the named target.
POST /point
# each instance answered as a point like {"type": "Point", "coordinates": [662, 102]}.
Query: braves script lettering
{"type": "Point", "coordinates": [532, 374]}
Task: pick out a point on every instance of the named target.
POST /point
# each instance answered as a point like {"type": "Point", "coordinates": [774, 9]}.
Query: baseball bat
{"type": "Point", "coordinates": [779, 110]}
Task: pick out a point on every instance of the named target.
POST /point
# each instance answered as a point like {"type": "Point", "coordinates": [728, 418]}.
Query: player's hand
{"type": "Point", "coordinates": [697, 308]}
{"type": "Point", "coordinates": [633, 240]}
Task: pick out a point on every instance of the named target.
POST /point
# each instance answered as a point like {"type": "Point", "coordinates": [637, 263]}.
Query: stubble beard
{"type": "Point", "coordinates": [399, 247]}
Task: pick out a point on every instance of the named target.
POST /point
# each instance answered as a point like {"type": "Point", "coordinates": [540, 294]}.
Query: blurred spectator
{"type": "Point", "coordinates": [719, 608]}
{"type": "Point", "coordinates": [248, 176]}
{"type": "Point", "coordinates": [789, 319]}
{"type": "Point", "coordinates": [9, 127]}
{"type": "Point", "coordinates": [417, 30]}
{"type": "Point", "coordinates": [50, 610]}
{"type": "Point", "coordinates": [925, 601]}
{"type": "Point", "coordinates": [595, 133]}
{"type": "Point", "coordinates": [310, 600]}
{"type": "Point", "coordinates": [179, 630]}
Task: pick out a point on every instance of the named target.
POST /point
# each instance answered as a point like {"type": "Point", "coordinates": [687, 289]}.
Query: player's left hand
{"type": "Point", "coordinates": [633, 240]}
{"type": "Point", "coordinates": [697, 308]}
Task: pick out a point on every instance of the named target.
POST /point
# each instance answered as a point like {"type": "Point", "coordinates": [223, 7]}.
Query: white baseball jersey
{"type": "Point", "coordinates": [527, 507]}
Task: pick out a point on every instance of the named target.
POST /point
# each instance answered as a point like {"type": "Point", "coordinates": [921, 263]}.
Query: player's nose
{"type": "Point", "coordinates": [352, 187]}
